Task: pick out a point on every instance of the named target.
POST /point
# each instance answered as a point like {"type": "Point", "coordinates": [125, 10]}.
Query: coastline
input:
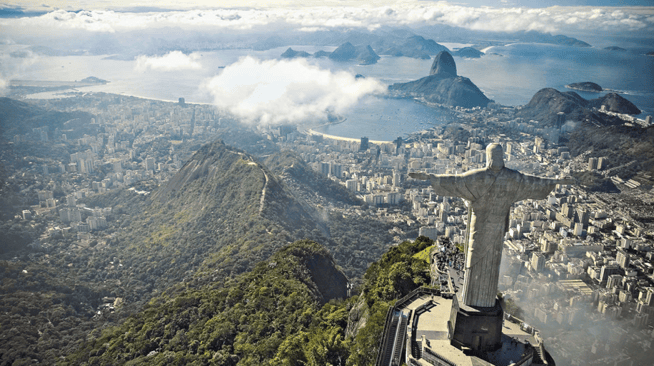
{"type": "Point", "coordinates": [56, 94]}
{"type": "Point", "coordinates": [339, 138]}
{"type": "Point", "coordinates": [308, 130]}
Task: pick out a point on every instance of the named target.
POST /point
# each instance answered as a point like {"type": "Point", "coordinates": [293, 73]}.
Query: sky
{"type": "Point", "coordinates": [120, 15]}
{"type": "Point", "coordinates": [131, 5]}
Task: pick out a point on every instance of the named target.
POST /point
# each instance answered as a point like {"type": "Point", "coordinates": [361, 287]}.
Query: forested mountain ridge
{"type": "Point", "coordinates": [273, 315]}
{"type": "Point", "coordinates": [222, 211]}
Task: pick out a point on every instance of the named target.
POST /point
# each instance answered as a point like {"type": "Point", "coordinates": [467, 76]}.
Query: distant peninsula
{"type": "Point", "coordinates": [468, 52]}
{"type": "Point", "coordinates": [291, 53]}
{"type": "Point", "coordinates": [585, 86]}
{"type": "Point", "coordinates": [615, 48]}
{"type": "Point", "coordinates": [93, 80]}
{"type": "Point", "coordinates": [413, 46]}
{"type": "Point", "coordinates": [443, 86]}
{"type": "Point", "coordinates": [365, 55]}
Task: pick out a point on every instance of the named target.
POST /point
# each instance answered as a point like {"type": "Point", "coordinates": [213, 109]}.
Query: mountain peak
{"type": "Point", "coordinates": [443, 65]}
{"type": "Point", "coordinates": [443, 86]}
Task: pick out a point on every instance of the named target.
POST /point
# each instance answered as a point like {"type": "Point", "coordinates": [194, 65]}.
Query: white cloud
{"type": "Point", "coordinates": [172, 61]}
{"type": "Point", "coordinates": [412, 13]}
{"type": "Point", "coordinates": [277, 92]}
{"type": "Point", "coordinates": [13, 62]}
{"type": "Point", "coordinates": [4, 84]}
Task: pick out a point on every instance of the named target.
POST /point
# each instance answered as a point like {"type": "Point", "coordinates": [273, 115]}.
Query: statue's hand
{"type": "Point", "coordinates": [419, 175]}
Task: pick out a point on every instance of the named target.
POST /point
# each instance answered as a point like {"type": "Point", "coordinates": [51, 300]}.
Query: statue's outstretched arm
{"type": "Point", "coordinates": [445, 185]}
{"type": "Point", "coordinates": [420, 175]}
{"type": "Point", "coordinates": [537, 188]}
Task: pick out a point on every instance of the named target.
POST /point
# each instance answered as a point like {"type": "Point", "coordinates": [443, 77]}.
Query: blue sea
{"type": "Point", "coordinates": [509, 74]}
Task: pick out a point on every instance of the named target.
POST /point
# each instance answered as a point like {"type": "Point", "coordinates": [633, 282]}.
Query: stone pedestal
{"type": "Point", "coordinates": [476, 328]}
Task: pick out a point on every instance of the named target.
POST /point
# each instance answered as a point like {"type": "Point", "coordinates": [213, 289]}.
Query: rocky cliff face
{"type": "Point", "coordinates": [443, 65]}
{"type": "Point", "coordinates": [330, 282]}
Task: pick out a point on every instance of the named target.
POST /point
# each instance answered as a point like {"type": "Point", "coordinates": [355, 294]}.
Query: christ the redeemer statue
{"type": "Point", "coordinates": [490, 192]}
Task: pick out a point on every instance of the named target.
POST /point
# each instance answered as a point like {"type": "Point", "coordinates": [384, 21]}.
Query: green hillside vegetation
{"type": "Point", "coordinates": [272, 312]}
{"type": "Point", "coordinates": [392, 277]}
{"type": "Point", "coordinates": [424, 254]}
{"type": "Point", "coordinates": [276, 314]}
{"type": "Point", "coordinates": [211, 214]}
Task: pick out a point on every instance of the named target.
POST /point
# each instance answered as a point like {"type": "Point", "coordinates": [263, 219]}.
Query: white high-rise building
{"type": "Point", "coordinates": [351, 185]}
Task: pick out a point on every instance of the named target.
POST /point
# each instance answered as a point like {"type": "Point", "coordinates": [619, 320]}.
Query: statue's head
{"type": "Point", "coordinates": [494, 156]}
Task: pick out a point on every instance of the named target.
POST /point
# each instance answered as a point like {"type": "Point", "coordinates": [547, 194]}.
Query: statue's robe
{"type": "Point", "coordinates": [490, 194]}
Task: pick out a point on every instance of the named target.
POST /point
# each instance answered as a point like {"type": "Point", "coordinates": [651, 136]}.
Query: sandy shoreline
{"type": "Point", "coordinates": [339, 138]}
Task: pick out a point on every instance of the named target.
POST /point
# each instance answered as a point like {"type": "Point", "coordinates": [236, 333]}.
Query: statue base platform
{"type": "Point", "coordinates": [475, 328]}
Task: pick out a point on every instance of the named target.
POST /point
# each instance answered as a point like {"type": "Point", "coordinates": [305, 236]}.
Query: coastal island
{"type": "Point", "coordinates": [586, 86]}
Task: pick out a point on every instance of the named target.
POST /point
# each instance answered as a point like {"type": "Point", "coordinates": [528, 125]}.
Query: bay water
{"type": "Point", "coordinates": [509, 74]}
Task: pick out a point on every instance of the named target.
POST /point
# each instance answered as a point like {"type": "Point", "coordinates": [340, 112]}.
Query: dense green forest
{"type": "Point", "coordinates": [277, 314]}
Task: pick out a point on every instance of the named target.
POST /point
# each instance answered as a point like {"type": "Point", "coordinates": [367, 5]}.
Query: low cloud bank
{"type": "Point", "coordinates": [3, 85]}
{"type": "Point", "coordinates": [554, 19]}
{"type": "Point", "coordinates": [12, 64]}
{"type": "Point", "coordinates": [279, 92]}
{"type": "Point", "coordinates": [172, 61]}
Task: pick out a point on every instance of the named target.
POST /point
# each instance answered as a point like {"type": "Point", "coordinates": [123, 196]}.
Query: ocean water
{"type": "Point", "coordinates": [509, 74]}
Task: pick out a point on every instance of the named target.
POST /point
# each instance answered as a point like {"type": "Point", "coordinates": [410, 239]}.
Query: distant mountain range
{"type": "Point", "coordinates": [414, 46]}
{"type": "Point", "coordinates": [420, 42]}
{"type": "Point", "coordinates": [468, 52]}
{"type": "Point", "coordinates": [347, 52]}
{"type": "Point", "coordinates": [364, 55]}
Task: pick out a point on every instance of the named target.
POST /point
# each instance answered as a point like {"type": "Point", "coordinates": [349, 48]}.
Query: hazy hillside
{"type": "Point", "coordinates": [620, 145]}
{"type": "Point", "coordinates": [290, 167]}
{"type": "Point", "coordinates": [547, 102]}
{"type": "Point", "coordinates": [18, 117]}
